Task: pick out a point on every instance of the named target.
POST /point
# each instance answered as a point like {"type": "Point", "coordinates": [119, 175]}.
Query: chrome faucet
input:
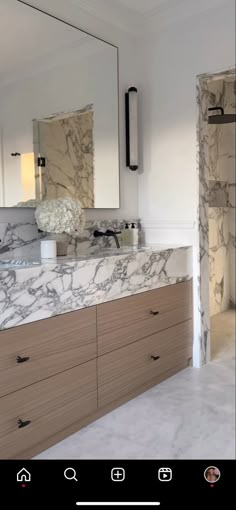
{"type": "Point", "coordinates": [108, 233]}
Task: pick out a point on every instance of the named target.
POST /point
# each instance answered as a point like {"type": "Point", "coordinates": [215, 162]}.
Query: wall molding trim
{"type": "Point", "coordinates": [171, 224]}
{"type": "Point", "coordinates": [169, 232]}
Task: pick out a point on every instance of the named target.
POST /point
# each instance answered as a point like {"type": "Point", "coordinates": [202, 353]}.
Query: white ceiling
{"type": "Point", "coordinates": [140, 17]}
{"type": "Point", "coordinates": [143, 6]}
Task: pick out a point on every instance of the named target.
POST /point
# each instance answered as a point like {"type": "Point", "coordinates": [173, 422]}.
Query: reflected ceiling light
{"type": "Point", "coordinates": [131, 117]}
{"type": "Point", "coordinates": [27, 176]}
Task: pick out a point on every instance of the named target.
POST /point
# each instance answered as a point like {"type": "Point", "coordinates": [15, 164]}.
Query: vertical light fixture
{"type": "Point", "coordinates": [131, 117]}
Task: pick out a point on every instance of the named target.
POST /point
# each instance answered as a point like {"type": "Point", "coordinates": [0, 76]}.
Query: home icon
{"type": "Point", "coordinates": [23, 476]}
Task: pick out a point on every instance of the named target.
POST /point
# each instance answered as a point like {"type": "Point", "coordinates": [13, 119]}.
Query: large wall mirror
{"type": "Point", "coordinates": [58, 111]}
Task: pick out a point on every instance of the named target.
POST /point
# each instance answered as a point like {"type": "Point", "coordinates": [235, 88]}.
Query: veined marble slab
{"type": "Point", "coordinates": [219, 260]}
{"type": "Point", "coordinates": [66, 140]}
{"type": "Point", "coordinates": [28, 294]}
{"type": "Point", "coordinates": [215, 162]}
{"type": "Point", "coordinates": [21, 238]}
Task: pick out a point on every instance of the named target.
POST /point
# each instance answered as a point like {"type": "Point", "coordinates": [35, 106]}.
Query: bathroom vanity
{"type": "Point", "coordinates": [80, 337]}
{"type": "Point", "coordinates": [82, 334]}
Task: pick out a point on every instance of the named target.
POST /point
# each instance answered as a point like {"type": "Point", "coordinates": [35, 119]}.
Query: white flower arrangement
{"type": "Point", "coordinates": [60, 215]}
{"type": "Point", "coordinates": [29, 203]}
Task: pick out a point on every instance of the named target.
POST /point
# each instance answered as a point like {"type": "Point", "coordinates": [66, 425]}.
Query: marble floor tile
{"type": "Point", "coordinates": [189, 416]}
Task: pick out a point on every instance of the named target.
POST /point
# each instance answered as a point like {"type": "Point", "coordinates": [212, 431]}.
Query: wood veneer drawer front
{"type": "Point", "coordinates": [129, 319]}
{"type": "Point", "coordinates": [126, 369]}
{"type": "Point", "coordinates": [49, 405]}
{"type": "Point", "coordinates": [52, 345]}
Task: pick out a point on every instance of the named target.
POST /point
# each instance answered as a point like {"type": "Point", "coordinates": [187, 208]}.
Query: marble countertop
{"type": "Point", "coordinates": [25, 262]}
{"type": "Point", "coordinates": [33, 289]}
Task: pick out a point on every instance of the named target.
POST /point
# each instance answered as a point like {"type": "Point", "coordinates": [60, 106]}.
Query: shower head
{"type": "Point", "coordinates": [222, 118]}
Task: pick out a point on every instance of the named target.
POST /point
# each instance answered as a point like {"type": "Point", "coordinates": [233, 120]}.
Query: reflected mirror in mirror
{"type": "Point", "coordinates": [58, 111]}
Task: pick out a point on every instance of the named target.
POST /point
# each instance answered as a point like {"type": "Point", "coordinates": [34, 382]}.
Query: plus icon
{"type": "Point", "coordinates": [118, 474]}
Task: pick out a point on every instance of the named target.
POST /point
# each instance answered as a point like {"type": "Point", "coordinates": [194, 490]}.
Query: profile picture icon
{"type": "Point", "coordinates": [212, 474]}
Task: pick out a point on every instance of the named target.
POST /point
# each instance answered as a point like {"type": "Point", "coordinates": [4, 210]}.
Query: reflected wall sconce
{"type": "Point", "coordinates": [131, 120]}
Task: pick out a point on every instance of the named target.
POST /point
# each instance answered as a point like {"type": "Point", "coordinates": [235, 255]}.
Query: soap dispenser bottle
{"type": "Point", "coordinates": [126, 235]}
{"type": "Point", "coordinates": [134, 234]}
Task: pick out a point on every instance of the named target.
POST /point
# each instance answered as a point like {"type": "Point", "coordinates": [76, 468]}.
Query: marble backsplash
{"type": "Point", "coordinates": [21, 238]}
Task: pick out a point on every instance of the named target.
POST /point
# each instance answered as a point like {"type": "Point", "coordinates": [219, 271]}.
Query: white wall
{"type": "Point", "coordinates": [203, 43]}
{"type": "Point", "coordinates": [128, 59]}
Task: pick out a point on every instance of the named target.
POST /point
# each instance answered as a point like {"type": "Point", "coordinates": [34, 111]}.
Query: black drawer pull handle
{"type": "Point", "coordinates": [154, 313]}
{"type": "Point", "coordinates": [155, 358]}
{"type": "Point", "coordinates": [19, 359]}
{"type": "Point", "coordinates": [22, 424]}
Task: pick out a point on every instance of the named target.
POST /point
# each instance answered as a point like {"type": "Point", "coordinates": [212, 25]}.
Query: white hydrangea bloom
{"type": "Point", "coordinates": [60, 215]}
{"type": "Point", "coordinates": [29, 203]}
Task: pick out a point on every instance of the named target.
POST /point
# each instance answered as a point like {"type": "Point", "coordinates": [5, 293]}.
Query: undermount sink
{"type": "Point", "coordinates": [111, 251]}
{"type": "Point", "coordinates": [107, 252]}
{"type": "Point", "coordinates": [118, 251]}
{"type": "Point", "coordinates": [8, 264]}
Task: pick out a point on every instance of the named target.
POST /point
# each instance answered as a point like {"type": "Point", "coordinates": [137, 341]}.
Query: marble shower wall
{"type": "Point", "coordinates": [232, 256]}
{"type": "Point", "coordinates": [219, 258]}
{"type": "Point", "coordinates": [222, 136]}
{"type": "Point", "coordinates": [222, 199]}
{"type": "Point", "coordinates": [66, 141]}
{"type": "Point", "coordinates": [209, 153]}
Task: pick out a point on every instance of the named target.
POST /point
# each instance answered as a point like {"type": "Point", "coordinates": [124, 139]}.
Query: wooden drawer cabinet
{"type": "Point", "coordinates": [126, 369]}
{"type": "Point", "coordinates": [126, 320]}
{"type": "Point", "coordinates": [59, 374]}
{"type": "Point", "coordinates": [50, 406]}
{"type": "Point", "coordinates": [51, 346]}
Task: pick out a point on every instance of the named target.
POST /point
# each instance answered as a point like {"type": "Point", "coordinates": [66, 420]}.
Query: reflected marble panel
{"type": "Point", "coordinates": [66, 141]}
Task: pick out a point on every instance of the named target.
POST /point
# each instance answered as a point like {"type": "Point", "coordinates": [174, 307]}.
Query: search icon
{"type": "Point", "coordinates": [70, 474]}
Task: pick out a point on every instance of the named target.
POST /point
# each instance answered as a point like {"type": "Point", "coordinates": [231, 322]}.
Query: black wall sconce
{"type": "Point", "coordinates": [131, 120]}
